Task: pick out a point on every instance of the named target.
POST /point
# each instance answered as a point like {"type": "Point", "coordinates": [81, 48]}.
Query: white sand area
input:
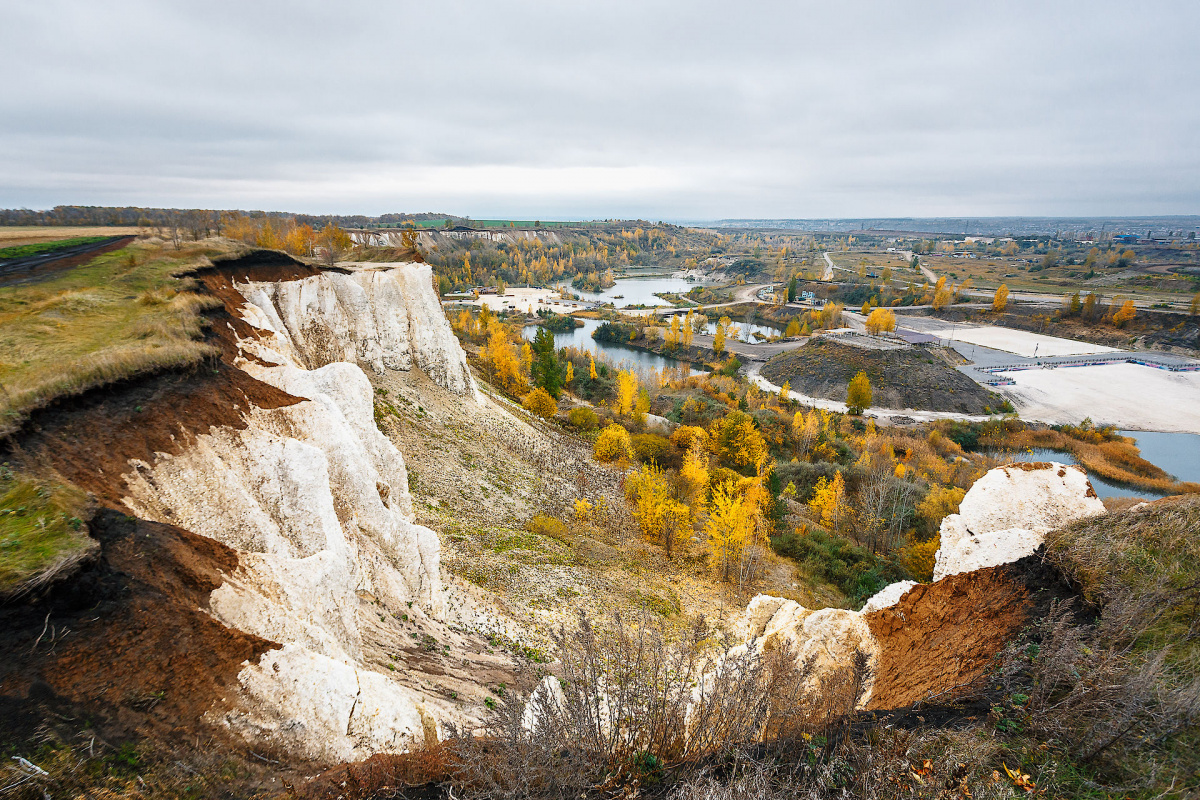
{"type": "Point", "coordinates": [1125, 395]}
{"type": "Point", "coordinates": [520, 298]}
{"type": "Point", "coordinates": [1021, 343]}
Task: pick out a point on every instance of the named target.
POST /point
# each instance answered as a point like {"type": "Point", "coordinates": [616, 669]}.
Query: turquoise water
{"type": "Point", "coordinates": [637, 291]}
{"type": "Point", "coordinates": [624, 357]}
{"type": "Point", "coordinates": [1177, 454]}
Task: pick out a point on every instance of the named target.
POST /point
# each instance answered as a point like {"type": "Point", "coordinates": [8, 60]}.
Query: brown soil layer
{"type": "Point", "coordinates": [939, 641]}
{"type": "Point", "coordinates": [912, 378]}
{"type": "Point", "coordinates": [127, 640]}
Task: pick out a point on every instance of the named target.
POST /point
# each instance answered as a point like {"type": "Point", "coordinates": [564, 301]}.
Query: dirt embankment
{"type": "Point", "coordinates": [941, 638]}
{"type": "Point", "coordinates": [913, 378]}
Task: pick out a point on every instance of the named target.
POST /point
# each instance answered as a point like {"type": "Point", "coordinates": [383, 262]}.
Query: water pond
{"type": "Point", "coordinates": [637, 291]}
{"type": "Point", "coordinates": [1178, 454]}
{"type": "Point", "coordinates": [624, 357]}
{"type": "Point", "coordinates": [744, 331]}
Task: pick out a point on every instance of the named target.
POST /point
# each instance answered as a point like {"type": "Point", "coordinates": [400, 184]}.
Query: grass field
{"type": "Point", "coordinates": [29, 234]}
{"type": "Point", "coordinates": [26, 250]}
{"type": "Point", "coordinates": [120, 314]}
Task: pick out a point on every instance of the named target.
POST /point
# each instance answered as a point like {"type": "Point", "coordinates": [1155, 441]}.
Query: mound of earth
{"type": "Point", "coordinates": [911, 378]}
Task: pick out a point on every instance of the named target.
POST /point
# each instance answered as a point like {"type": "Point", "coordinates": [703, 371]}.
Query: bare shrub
{"type": "Point", "coordinates": [628, 704]}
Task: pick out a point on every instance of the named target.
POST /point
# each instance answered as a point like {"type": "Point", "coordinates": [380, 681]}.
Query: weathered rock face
{"type": "Point", "coordinates": [827, 640]}
{"type": "Point", "coordinates": [888, 596]}
{"type": "Point", "coordinates": [315, 501]}
{"type": "Point", "coordinates": [1008, 512]}
{"type": "Point", "coordinates": [387, 317]}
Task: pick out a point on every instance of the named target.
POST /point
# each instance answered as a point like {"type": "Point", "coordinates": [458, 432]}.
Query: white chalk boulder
{"type": "Point", "coordinates": [1008, 512]}
{"type": "Point", "coordinates": [887, 596]}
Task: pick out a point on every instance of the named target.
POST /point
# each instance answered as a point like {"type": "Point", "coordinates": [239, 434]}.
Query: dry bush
{"type": "Point", "coordinates": [634, 704]}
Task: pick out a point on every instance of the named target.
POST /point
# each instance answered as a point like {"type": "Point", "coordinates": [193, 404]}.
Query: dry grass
{"type": "Point", "coordinates": [34, 234]}
{"type": "Point", "coordinates": [121, 314]}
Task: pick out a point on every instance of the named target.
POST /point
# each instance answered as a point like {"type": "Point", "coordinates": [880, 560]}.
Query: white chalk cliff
{"type": "Point", "coordinates": [315, 501]}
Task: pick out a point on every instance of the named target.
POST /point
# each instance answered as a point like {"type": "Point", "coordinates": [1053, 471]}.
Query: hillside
{"type": "Point", "coordinates": [900, 379]}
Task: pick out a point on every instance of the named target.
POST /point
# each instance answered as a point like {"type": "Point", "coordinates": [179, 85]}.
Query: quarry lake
{"type": "Point", "coordinates": [636, 291]}
{"type": "Point", "coordinates": [1178, 454]}
{"type": "Point", "coordinates": [616, 354]}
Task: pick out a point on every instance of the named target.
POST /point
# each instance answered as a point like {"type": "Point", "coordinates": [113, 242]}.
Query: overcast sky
{"type": "Point", "coordinates": [685, 110]}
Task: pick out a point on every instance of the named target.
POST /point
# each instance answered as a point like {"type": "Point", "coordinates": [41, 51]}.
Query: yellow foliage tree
{"type": "Point", "coordinates": [693, 475]}
{"type": "Point", "coordinates": [592, 367]}
{"type": "Point", "coordinates": [1127, 312]}
{"type": "Point", "coordinates": [662, 518]}
{"type": "Point", "coordinates": [719, 336]}
{"type": "Point", "coordinates": [918, 559]}
{"type": "Point", "coordinates": [792, 329]}
{"type": "Point", "coordinates": [526, 358]}
{"type": "Point", "coordinates": [335, 242]}
{"type": "Point", "coordinates": [738, 443]}
{"type": "Point", "coordinates": [941, 295]}
{"type": "Point", "coordinates": [540, 402]}
{"type": "Point", "coordinates": [613, 444]}
{"type": "Point", "coordinates": [880, 321]}
{"type": "Point", "coordinates": [940, 502]}
{"type": "Point", "coordinates": [858, 393]}
{"type": "Point", "coordinates": [505, 367]}
{"type": "Point", "coordinates": [1000, 299]}
{"type": "Point", "coordinates": [570, 376]}
{"type": "Point", "coordinates": [829, 501]}
{"type": "Point", "coordinates": [729, 531]}
{"type": "Point", "coordinates": [627, 386]}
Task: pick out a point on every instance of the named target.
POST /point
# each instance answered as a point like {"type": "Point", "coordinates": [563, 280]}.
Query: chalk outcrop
{"type": "Point", "coordinates": [1008, 512]}
{"type": "Point", "coordinates": [825, 640]}
{"type": "Point", "coordinates": [315, 501]}
{"type": "Point", "coordinates": [888, 596]}
{"type": "Point", "coordinates": [386, 317]}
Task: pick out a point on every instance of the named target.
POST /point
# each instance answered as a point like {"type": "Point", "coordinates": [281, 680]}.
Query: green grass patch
{"type": "Point", "coordinates": [856, 572]}
{"type": "Point", "coordinates": [26, 250]}
{"type": "Point", "coordinates": [42, 529]}
{"type": "Point", "coordinates": [121, 314]}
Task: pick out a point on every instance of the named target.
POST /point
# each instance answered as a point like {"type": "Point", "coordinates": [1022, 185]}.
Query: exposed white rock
{"type": "Point", "coordinates": [315, 501]}
{"type": "Point", "coordinates": [1007, 513]}
{"type": "Point", "coordinates": [385, 316]}
{"type": "Point", "coordinates": [827, 639]}
{"type": "Point", "coordinates": [325, 709]}
{"type": "Point", "coordinates": [887, 596]}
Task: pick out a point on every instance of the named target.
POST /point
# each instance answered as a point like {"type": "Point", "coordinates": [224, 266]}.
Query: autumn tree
{"type": "Point", "coordinates": [613, 444]}
{"type": "Point", "coordinates": [569, 378]}
{"type": "Point", "coordinates": [335, 242]}
{"type": "Point", "coordinates": [858, 393]}
{"type": "Point", "coordinates": [1127, 312]}
{"type": "Point", "coordinates": [1000, 299]}
{"type": "Point", "coordinates": [729, 532]}
{"type": "Point", "coordinates": [627, 386]}
{"type": "Point", "coordinates": [661, 518]}
{"type": "Point", "coordinates": [737, 441]}
{"type": "Point", "coordinates": [694, 476]}
{"type": "Point", "coordinates": [829, 501]}
{"type": "Point", "coordinates": [719, 336]}
{"type": "Point", "coordinates": [505, 368]}
{"type": "Point", "coordinates": [540, 402]}
{"type": "Point", "coordinates": [793, 328]}
{"type": "Point", "coordinates": [941, 295]}
{"type": "Point", "coordinates": [881, 320]}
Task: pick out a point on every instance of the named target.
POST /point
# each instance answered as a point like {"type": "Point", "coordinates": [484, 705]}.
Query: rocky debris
{"type": "Point", "coordinates": [1008, 512]}
{"type": "Point", "coordinates": [386, 316]}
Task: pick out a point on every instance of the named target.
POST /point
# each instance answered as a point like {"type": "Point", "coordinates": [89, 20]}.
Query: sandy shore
{"type": "Point", "coordinates": [1126, 395]}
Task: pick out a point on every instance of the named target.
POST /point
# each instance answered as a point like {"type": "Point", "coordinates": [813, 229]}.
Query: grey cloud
{"type": "Point", "coordinates": [710, 109]}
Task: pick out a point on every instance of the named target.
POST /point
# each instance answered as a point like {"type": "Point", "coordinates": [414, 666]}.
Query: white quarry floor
{"type": "Point", "coordinates": [1126, 395]}
{"type": "Point", "coordinates": [1022, 343]}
